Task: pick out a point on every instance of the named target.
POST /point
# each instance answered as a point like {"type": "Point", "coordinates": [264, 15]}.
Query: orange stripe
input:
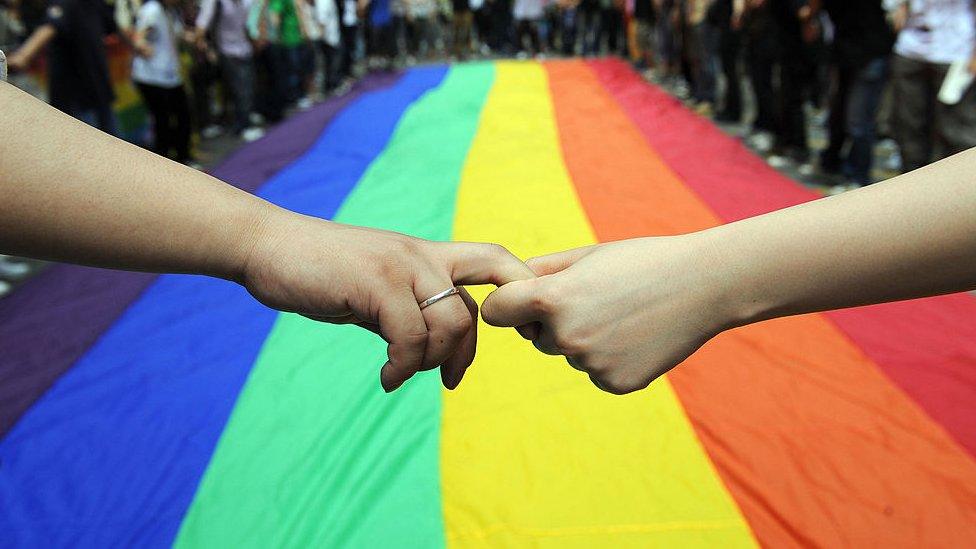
{"type": "Point", "coordinates": [815, 444]}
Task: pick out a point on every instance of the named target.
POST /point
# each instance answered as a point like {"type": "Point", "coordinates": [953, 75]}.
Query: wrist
{"type": "Point", "coordinates": [732, 284]}
{"type": "Point", "coordinates": [254, 235]}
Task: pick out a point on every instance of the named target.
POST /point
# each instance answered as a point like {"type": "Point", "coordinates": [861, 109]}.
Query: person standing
{"type": "Point", "coordinates": [859, 55]}
{"type": "Point", "coordinates": [156, 73]}
{"type": "Point", "coordinates": [327, 17]}
{"type": "Point", "coordinates": [285, 16]}
{"type": "Point", "coordinates": [935, 35]}
{"type": "Point", "coordinates": [78, 79]}
{"type": "Point", "coordinates": [728, 43]}
{"type": "Point", "coordinates": [462, 24]}
{"type": "Point", "coordinates": [226, 22]}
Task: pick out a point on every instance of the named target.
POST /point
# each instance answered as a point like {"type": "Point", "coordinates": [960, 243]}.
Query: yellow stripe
{"type": "Point", "coordinates": [532, 454]}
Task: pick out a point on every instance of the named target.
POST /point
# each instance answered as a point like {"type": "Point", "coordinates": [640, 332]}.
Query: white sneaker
{"type": "Point", "coordinates": [211, 131]}
{"type": "Point", "coordinates": [5, 288]}
{"type": "Point", "coordinates": [252, 134]}
{"type": "Point", "coordinates": [761, 141]}
{"type": "Point", "coordinates": [305, 103]}
{"type": "Point", "coordinates": [13, 270]}
{"type": "Point", "coordinates": [778, 162]}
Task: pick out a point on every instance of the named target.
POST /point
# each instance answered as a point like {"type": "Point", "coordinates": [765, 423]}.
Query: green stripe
{"type": "Point", "coordinates": [315, 454]}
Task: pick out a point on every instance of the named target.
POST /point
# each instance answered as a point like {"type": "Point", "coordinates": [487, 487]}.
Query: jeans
{"type": "Point", "coordinates": [853, 115]}
{"type": "Point", "coordinates": [238, 76]}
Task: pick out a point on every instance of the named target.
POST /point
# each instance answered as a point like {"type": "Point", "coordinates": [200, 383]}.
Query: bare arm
{"type": "Point", "coordinates": [71, 193]}
{"type": "Point", "coordinates": [911, 236]}
{"type": "Point", "coordinates": [627, 312]}
{"type": "Point", "coordinates": [41, 37]}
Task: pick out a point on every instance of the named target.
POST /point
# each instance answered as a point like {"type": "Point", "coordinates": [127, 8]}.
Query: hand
{"type": "Point", "coordinates": [143, 50]}
{"type": "Point", "coordinates": [375, 279]}
{"type": "Point", "coordinates": [899, 17]}
{"type": "Point", "coordinates": [16, 62]}
{"type": "Point", "coordinates": [623, 312]}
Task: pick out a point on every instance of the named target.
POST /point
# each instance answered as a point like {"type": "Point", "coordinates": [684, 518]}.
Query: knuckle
{"type": "Point", "coordinates": [534, 263]}
{"type": "Point", "coordinates": [547, 298]}
{"type": "Point", "coordinates": [620, 384]}
{"type": "Point", "coordinates": [566, 343]}
{"type": "Point", "coordinates": [497, 251]}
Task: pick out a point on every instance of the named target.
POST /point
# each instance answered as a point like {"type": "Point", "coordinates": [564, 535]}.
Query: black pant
{"type": "Point", "coordinates": [526, 28]}
{"type": "Point", "coordinates": [170, 114]}
{"type": "Point", "coordinates": [348, 50]}
{"type": "Point", "coordinates": [729, 54]}
{"type": "Point", "coordinates": [330, 65]}
{"type": "Point", "coordinates": [761, 62]}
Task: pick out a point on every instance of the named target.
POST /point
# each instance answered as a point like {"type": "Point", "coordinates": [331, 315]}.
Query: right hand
{"type": "Point", "coordinates": [343, 274]}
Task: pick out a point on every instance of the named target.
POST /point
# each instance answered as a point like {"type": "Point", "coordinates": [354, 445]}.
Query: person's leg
{"type": "Point", "coordinates": [247, 89]}
{"type": "Point", "coordinates": [729, 46]}
{"type": "Point", "coordinates": [348, 50]}
{"type": "Point", "coordinates": [707, 44]}
{"type": "Point", "coordinates": [761, 78]}
{"type": "Point", "coordinates": [830, 158]}
{"type": "Point", "coordinates": [200, 77]}
{"type": "Point", "coordinates": [955, 125]}
{"type": "Point", "coordinates": [467, 24]}
{"type": "Point", "coordinates": [279, 80]}
{"type": "Point", "coordinates": [293, 64]}
{"type": "Point", "coordinates": [155, 102]}
{"type": "Point", "coordinates": [862, 115]}
{"type": "Point", "coordinates": [230, 74]}
{"type": "Point", "coordinates": [180, 111]}
{"type": "Point", "coordinates": [913, 99]}
{"type": "Point", "coordinates": [537, 45]}
{"type": "Point", "coordinates": [793, 83]}
{"type": "Point", "coordinates": [615, 42]}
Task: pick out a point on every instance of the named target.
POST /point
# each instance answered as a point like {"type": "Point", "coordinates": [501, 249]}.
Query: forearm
{"type": "Point", "coordinates": [72, 193]}
{"type": "Point", "coordinates": [35, 43]}
{"type": "Point", "coordinates": [912, 236]}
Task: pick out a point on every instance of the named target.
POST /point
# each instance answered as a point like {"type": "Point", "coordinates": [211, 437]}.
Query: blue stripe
{"type": "Point", "coordinates": [113, 453]}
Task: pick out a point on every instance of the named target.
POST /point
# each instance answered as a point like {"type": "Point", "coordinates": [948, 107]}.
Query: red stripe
{"type": "Point", "coordinates": [926, 346]}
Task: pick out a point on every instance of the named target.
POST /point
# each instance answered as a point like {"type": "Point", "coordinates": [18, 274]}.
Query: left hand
{"type": "Point", "coordinates": [623, 312]}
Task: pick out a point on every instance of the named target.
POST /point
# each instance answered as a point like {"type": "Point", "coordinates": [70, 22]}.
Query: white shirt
{"type": "Point", "coordinates": [231, 31]}
{"type": "Point", "coordinates": [161, 27]}
{"type": "Point", "coordinates": [309, 21]}
{"type": "Point", "coordinates": [327, 15]}
{"type": "Point", "coordinates": [349, 17]}
{"type": "Point", "coordinates": [938, 31]}
{"type": "Point", "coordinates": [528, 9]}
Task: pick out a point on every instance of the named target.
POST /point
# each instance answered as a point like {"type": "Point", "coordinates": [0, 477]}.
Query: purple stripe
{"type": "Point", "coordinates": [47, 324]}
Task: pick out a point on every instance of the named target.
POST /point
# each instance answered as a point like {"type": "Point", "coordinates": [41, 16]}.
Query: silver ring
{"type": "Point", "coordinates": [437, 297]}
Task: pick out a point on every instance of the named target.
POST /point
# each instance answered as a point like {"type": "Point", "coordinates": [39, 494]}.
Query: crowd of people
{"type": "Point", "coordinates": [899, 68]}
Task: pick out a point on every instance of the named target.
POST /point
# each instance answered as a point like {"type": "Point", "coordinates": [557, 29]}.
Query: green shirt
{"type": "Point", "coordinates": [289, 28]}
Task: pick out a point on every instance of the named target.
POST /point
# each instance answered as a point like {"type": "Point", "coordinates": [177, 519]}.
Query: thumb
{"type": "Point", "coordinates": [553, 263]}
{"type": "Point", "coordinates": [515, 304]}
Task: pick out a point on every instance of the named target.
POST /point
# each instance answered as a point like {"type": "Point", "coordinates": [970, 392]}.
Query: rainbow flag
{"type": "Point", "coordinates": [140, 410]}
